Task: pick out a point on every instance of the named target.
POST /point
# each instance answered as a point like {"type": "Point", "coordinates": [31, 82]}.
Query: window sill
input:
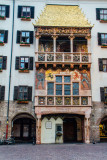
{"type": "Point", "coordinates": [22, 102]}
{"type": "Point", "coordinates": [27, 45]}
{"type": "Point", "coordinates": [26, 19]}
{"type": "Point", "coordinates": [103, 21]}
{"type": "Point", "coordinates": [1, 44]}
{"type": "Point", "coordinates": [2, 18]}
{"type": "Point", "coordinates": [104, 46]}
{"type": "Point", "coordinates": [24, 71]}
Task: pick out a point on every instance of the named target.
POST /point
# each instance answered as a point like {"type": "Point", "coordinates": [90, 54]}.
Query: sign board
{"type": "Point", "coordinates": [48, 125]}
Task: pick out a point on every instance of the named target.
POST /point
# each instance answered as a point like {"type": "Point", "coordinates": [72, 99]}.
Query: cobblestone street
{"type": "Point", "coordinates": [54, 152]}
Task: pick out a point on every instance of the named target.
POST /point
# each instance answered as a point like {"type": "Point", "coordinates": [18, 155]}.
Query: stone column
{"type": "Point", "coordinates": [88, 37]}
{"type": "Point", "coordinates": [54, 42]}
{"type": "Point", "coordinates": [71, 37]}
{"type": "Point", "coordinates": [38, 129]}
{"type": "Point", "coordinates": [37, 43]}
{"type": "Point", "coordinates": [87, 129]}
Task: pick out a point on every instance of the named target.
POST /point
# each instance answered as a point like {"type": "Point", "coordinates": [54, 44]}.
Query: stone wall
{"type": "Point", "coordinates": [99, 111]}
{"type": "Point", "coordinates": [14, 110]}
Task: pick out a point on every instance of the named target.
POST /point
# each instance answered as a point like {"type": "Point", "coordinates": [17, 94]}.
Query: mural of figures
{"type": "Point", "coordinates": [85, 80]}
{"type": "Point", "coordinates": [40, 79]}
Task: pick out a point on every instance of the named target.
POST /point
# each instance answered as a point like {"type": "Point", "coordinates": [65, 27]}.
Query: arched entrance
{"type": "Point", "coordinates": [103, 130]}
{"type": "Point", "coordinates": [69, 130]}
{"type": "Point", "coordinates": [24, 128]}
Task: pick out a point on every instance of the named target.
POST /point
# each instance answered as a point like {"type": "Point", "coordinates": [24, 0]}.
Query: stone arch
{"type": "Point", "coordinates": [23, 126]}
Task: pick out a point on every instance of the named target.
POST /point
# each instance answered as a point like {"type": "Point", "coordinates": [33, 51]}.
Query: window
{"type": "Point", "coordinates": [75, 88]}
{"type": "Point", "coordinates": [58, 79]}
{"type": "Point", "coordinates": [3, 36]}
{"type": "Point", "coordinates": [1, 61]}
{"type": "Point", "coordinates": [25, 11]}
{"type": "Point", "coordinates": [67, 79]}
{"type": "Point", "coordinates": [67, 89]}
{"type": "Point", "coordinates": [23, 93]}
{"type": "Point", "coordinates": [103, 14]}
{"type": "Point", "coordinates": [25, 63]}
{"type": "Point", "coordinates": [50, 88]}
{"type": "Point", "coordinates": [103, 93]}
{"type": "Point", "coordinates": [2, 11]}
{"type": "Point", "coordinates": [2, 93]}
{"type": "Point", "coordinates": [25, 37]}
{"type": "Point", "coordinates": [58, 89]}
{"type": "Point", "coordinates": [102, 39]}
{"type": "Point", "coordinates": [103, 65]}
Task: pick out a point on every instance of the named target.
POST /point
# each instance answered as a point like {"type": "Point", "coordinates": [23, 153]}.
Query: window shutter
{"type": "Point", "coordinates": [2, 92]}
{"type": "Point", "coordinates": [32, 12]}
{"type": "Point", "coordinates": [16, 89]}
{"type": "Point", "coordinates": [17, 63]}
{"type": "Point", "coordinates": [29, 93]}
{"type": "Point", "coordinates": [31, 63]}
{"type": "Point", "coordinates": [19, 11]}
{"type": "Point", "coordinates": [7, 11]}
{"type": "Point", "coordinates": [5, 36]}
{"type": "Point", "coordinates": [100, 64]}
{"type": "Point", "coordinates": [97, 13]}
{"type": "Point", "coordinates": [4, 62]}
{"type": "Point", "coordinates": [99, 38]}
{"type": "Point", "coordinates": [18, 37]}
{"type": "Point", "coordinates": [102, 94]}
{"type": "Point", "coordinates": [31, 37]}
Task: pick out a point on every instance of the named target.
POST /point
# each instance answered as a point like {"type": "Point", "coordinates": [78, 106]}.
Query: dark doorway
{"type": "Point", "coordinates": [69, 130]}
{"type": "Point", "coordinates": [24, 129]}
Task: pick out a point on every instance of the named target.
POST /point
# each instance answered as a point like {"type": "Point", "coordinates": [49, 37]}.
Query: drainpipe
{"type": "Point", "coordinates": [10, 71]}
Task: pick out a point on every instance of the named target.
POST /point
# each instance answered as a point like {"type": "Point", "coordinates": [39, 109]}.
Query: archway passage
{"type": "Point", "coordinates": [69, 130]}
{"type": "Point", "coordinates": [103, 130]}
{"type": "Point", "coordinates": [24, 128]}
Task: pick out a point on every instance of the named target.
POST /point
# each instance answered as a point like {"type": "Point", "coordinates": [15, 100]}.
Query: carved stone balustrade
{"type": "Point", "coordinates": [63, 101]}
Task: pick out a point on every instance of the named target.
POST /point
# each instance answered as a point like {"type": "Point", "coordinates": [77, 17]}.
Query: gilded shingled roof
{"type": "Point", "coordinates": [61, 15]}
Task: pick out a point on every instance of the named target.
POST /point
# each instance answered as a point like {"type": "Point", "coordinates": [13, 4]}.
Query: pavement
{"type": "Point", "coordinates": [79, 151]}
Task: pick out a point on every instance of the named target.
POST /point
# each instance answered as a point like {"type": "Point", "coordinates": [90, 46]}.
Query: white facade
{"type": "Point", "coordinates": [98, 79]}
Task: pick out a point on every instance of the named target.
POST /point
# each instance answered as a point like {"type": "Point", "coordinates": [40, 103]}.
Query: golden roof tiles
{"type": "Point", "coordinates": [61, 15]}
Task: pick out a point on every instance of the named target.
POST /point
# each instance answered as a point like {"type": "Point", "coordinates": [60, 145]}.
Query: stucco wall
{"type": "Point", "coordinates": [48, 135]}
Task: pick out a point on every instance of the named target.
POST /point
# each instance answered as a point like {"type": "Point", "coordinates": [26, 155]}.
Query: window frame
{"type": "Point", "coordinates": [24, 63]}
{"type": "Point", "coordinates": [1, 62]}
{"type": "Point", "coordinates": [103, 14]}
{"type": "Point", "coordinates": [23, 93]}
{"type": "Point", "coordinates": [26, 11]}
{"type": "Point", "coordinates": [2, 32]}
{"type": "Point", "coordinates": [75, 89]}
{"type": "Point", "coordinates": [49, 88]}
{"type": "Point", "coordinates": [25, 37]}
{"type": "Point", "coordinates": [105, 95]}
{"type": "Point", "coordinates": [3, 11]}
{"type": "Point", "coordinates": [105, 34]}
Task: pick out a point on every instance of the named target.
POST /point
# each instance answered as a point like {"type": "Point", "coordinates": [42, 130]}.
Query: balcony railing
{"type": "Point", "coordinates": [63, 101]}
{"type": "Point", "coordinates": [63, 57]}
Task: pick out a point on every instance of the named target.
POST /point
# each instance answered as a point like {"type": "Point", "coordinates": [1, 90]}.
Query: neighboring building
{"type": "Point", "coordinates": [58, 87]}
